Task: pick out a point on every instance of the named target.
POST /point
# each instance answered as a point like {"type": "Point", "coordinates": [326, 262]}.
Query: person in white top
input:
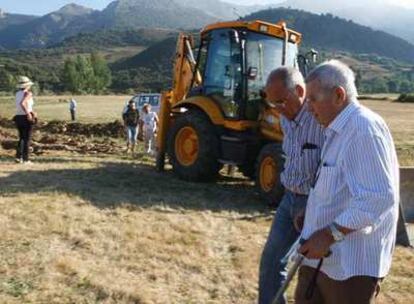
{"type": "Point", "coordinates": [72, 108]}
{"type": "Point", "coordinates": [25, 118]}
{"type": "Point", "coordinates": [351, 216]}
{"type": "Point", "coordinates": [150, 122]}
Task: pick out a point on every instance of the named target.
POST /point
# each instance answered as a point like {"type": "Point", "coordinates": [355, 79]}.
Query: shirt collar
{"type": "Point", "coordinates": [341, 119]}
{"type": "Point", "coordinates": [301, 117]}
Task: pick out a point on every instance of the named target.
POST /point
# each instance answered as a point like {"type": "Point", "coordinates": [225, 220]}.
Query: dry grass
{"type": "Point", "coordinates": [100, 230]}
{"type": "Point", "coordinates": [83, 229]}
{"type": "Point", "coordinates": [399, 117]}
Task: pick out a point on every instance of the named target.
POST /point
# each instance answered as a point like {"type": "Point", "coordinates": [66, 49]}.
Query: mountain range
{"type": "Point", "coordinates": [382, 15]}
{"type": "Point", "coordinates": [120, 14]}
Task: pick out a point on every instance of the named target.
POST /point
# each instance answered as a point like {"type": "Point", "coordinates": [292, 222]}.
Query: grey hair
{"type": "Point", "coordinates": [334, 73]}
{"type": "Point", "coordinates": [291, 77]}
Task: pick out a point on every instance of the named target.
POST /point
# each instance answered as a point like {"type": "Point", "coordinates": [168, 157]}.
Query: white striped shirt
{"type": "Point", "coordinates": [357, 187]}
{"type": "Point", "coordinates": [302, 144]}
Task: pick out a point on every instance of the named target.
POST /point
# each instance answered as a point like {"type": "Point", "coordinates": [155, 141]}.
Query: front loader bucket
{"type": "Point", "coordinates": [405, 230]}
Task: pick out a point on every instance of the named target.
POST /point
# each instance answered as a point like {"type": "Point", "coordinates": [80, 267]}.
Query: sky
{"type": "Point", "coordinates": [30, 7]}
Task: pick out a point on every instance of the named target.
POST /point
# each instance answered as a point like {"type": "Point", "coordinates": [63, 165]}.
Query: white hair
{"type": "Point", "coordinates": [291, 77]}
{"type": "Point", "coordinates": [334, 73]}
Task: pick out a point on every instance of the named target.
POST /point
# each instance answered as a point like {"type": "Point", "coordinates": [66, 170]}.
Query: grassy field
{"type": "Point", "coordinates": [104, 229]}
{"type": "Point", "coordinates": [90, 108]}
{"type": "Point", "coordinates": [399, 116]}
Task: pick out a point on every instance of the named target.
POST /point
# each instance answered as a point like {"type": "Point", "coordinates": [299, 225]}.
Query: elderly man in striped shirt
{"type": "Point", "coordinates": [303, 140]}
{"type": "Point", "coordinates": [352, 209]}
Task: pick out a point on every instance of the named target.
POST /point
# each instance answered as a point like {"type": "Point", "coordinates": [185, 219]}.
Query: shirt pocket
{"type": "Point", "coordinates": [327, 183]}
{"type": "Point", "coordinates": [310, 159]}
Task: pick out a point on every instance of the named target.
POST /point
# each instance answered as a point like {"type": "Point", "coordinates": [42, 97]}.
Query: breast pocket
{"type": "Point", "coordinates": [328, 183]}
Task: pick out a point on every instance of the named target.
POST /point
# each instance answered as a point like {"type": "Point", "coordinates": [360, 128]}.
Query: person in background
{"type": "Point", "coordinates": [150, 122]}
{"type": "Point", "coordinates": [131, 119]}
{"type": "Point", "coordinates": [24, 119]}
{"type": "Point", "coordinates": [72, 107]}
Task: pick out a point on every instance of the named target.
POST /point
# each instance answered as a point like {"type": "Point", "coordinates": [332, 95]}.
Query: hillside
{"type": "Point", "coordinates": [7, 19]}
{"type": "Point", "coordinates": [45, 64]}
{"type": "Point", "coordinates": [158, 56]}
{"type": "Point", "coordinates": [107, 39]}
{"type": "Point", "coordinates": [155, 13]}
{"type": "Point", "coordinates": [334, 33]}
{"type": "Point", "coordinates": [148, 70]}
{"type": "Point", "coordinates": [383, 15]}
{"type": "Point", "coordinates": [40, 32]}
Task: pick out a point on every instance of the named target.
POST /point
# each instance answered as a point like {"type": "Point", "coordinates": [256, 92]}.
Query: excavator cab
{"type": "Point", "coordinates": [235, 64]}
{"type": "Point", "coordinates": [214, 114]}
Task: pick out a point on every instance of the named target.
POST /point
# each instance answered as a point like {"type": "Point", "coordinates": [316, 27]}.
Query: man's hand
{"type": "Point", "coordinates": [317, 246]}
{"type": "Point", "coordinates": [299, 219]}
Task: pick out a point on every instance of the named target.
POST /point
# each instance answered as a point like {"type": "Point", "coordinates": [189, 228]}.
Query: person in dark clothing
{"type": "Point", "coordinates": [131, 120]}
{"type": "Point", "coordinates": [25, 118]}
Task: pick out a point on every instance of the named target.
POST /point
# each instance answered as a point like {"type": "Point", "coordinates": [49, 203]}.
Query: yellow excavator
{"type": "Point", "coordinates": [215, 113]}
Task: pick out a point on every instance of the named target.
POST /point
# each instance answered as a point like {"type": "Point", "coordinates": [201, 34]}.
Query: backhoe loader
{"type": "Point", "coordinates": [215, 114]}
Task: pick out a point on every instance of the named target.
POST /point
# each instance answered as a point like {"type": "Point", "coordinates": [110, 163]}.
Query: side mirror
{"type": "Point", "coordinates": [314, 55]}
{"type": "Point", "coordinates": [252, 73]}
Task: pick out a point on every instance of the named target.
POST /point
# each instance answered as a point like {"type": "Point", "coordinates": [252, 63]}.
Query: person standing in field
{"type": "Point", "coordinates": [72, 108]}
{"type": "Point", "coordinates": [150, 123]}
{"type": "Point", "coordinates": [24, 119]}
{"type": "Point", "coordinates": [131, 120]}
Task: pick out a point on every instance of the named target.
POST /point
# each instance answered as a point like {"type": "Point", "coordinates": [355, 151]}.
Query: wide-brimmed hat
{"type": "Point", "coordinates": [24, 82]}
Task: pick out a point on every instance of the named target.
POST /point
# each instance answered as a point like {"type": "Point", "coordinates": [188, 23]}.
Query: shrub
{"type": "Point", "coordinates": [406, 98]}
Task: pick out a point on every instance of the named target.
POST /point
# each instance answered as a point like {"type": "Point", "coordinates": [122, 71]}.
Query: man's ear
{"type": "Point", "coordinates": [340, 94]}
{"type": "Point", "coordinates": [300, 91]}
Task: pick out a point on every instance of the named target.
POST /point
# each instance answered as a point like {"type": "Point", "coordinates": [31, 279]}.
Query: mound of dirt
{"type": "Point", "coordinates": [6, 123]}
{"type": "Point", "coordinates": [63, 136]}
{"type": "Point", "coordinates": [112, 129]}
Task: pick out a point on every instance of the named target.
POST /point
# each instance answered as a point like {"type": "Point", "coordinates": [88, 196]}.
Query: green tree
{"type": "Point", "coordinates": [406, 86]}
{"type": "Point", "coordinates": [102, 74]}
{"type": "Point", "coordinates": [7, 81]}
{"type": "Point", "coordinates": [379, 86]}
{"type": "Point", "coordinates": [85, 74]}
{"type": "Point", "coordinates": [392, 86]}
{"type": "Point", "coordinates": [71, 78]}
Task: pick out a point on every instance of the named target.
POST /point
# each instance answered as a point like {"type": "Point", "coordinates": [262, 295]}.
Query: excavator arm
{"type": "Point", "coordinates": [185, 75]}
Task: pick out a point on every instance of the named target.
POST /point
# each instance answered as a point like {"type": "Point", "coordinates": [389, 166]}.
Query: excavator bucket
{"type": "Point", "coordinates": [405, 229]}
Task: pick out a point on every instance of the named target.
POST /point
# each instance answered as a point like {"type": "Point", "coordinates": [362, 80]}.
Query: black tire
{"type": "Point", "coordinates": [206, 166]}
{"type": "Point", "coordinates": [160, 162]}
{"type": "Point", "coordinates": [271, 192]}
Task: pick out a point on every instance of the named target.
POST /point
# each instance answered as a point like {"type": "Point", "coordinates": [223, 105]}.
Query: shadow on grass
{"type": "Point", "coordinates": [112, 184]}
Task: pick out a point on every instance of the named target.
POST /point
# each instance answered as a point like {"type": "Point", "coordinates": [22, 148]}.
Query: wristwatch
{"type": "Point", "coordinates": [337, 235]}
